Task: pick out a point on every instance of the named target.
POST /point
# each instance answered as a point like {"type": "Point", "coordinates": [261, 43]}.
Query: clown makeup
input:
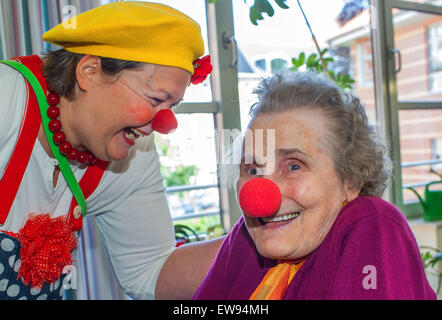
{"type": "Point", "coordinates": [141, 84]}
{"type": "Point", "coordinates": [312, 193]}
{"type": "Point", "coordinates": [111, 115]}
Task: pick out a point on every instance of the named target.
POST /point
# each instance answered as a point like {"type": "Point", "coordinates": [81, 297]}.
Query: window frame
{"type": "Point", "coordinates": [387, 104]}
{"type": "Point", "coordinates": [225, 97]}
{"type": "Point", "coordinates": [438, 68]}
{"type": "Point", "coordinates": [364, 80]}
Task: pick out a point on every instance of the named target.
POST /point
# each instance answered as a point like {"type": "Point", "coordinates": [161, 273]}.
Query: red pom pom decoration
{"type": "Point", "coordinates": [46, 246]}
{"type": "Point", "coordinates": [164, 121]}
{"type": "Point", "coordinates": [259, 197]}
{"type": "Point", "coordinates": [203, 67]}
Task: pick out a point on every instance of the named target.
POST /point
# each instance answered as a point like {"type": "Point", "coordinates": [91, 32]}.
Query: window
{"type": "Point", "coordinates": [188, 164]}
{"type": "Point", "coordinates": [188, 156]}
{"type": "Point", "coordinates": [436, 148]}
{"type": "Point", "coordinates": [412, 109]}
{"type": "Point", "coordinates": [436, 155]}
{"type": "Point", "coordinates": [269, 64]}
{"type": "Point", "coordinates": [420, 142]}
{"type": "Point", "coordinates": [278, 65]}
{"type": "Point", "coordinates": [435, 56]}
{"type": "Point", "coordinates": [261, 64]}
{"type": "Point", "coordinates": [364, 72]}
{"type": "Point", "coordinates": [435, 47]}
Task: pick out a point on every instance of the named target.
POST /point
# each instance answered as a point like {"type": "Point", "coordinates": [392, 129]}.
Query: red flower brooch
{"type": "Point", "coordinates": [46, 247]}
{"type": "Point", "coordinates": [203, 68]}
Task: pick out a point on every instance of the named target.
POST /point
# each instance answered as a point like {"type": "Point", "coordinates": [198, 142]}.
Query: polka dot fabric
{"type": "Point", "coordinates": [12, 288]}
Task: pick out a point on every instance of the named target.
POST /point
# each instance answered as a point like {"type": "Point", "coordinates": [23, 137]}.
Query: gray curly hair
{"type": "Point", "coordinates": [359, 157]}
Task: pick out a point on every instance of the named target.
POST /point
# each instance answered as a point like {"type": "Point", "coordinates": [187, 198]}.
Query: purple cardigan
{"type": "Point", "coordinates": [369, 253]}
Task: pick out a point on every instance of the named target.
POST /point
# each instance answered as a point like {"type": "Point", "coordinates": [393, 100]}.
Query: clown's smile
{"type": "Point", "coordinates": [133, 134]}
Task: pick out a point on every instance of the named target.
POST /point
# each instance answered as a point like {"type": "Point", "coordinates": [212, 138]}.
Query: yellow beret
{"type": "Point", "coordinates": [133, 31]}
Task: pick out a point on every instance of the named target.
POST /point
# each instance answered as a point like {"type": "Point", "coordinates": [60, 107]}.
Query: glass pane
{"type": "Point", "coordinates": [270, 46]}
{"type": "Point", "coordinates": [188, 159]}
{"type": "Point", "coordinates": [418, 37]}
{"type": "Point", "coordinates": [196, 9]}
{"type": "Point", "coordinates": [421, 149]}
{"type": "Point", "coordinates": [362, 69]}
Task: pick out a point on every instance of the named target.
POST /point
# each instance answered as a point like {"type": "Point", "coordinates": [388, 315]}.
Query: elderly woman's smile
{"type": "Point", "coordinates": [281, 218]}
{"type": "Point", "coordinates": [312, 192]}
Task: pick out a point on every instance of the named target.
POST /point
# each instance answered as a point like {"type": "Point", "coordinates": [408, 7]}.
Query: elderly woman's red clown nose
{"type": "Point", "coordinates": [164, 121]}
{"type": "Point", "coordinates": [259, 197]}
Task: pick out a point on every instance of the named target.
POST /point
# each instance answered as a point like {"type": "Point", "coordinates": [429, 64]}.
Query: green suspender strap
{"type": "Point", "coordinates": [43, 105]}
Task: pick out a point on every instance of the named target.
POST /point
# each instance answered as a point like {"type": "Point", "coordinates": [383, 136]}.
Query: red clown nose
{"type": "Point", "coordinates": [164, 121]}
{"type": "Point", "coordinates": [259, 198]}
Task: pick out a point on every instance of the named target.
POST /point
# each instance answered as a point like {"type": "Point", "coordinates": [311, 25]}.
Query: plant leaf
{"type": "Point", "coordinates": [301, 58]}
{"type": "Point", "coordinates": [264, 6]}
{"type": "Point", "coordinates": [329, 59]}
{"type": "Point", "coordinates": [259, 7]}
{"type": "Point", "coordinates": [311, 60]}
{"type": "Point", "coordinates": [281, 4]}
{"type": "Point", "coordinates": [255, 15]}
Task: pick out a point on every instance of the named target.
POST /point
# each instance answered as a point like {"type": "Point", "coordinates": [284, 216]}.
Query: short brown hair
{"type": "Point", "coordinates": [59, 70]}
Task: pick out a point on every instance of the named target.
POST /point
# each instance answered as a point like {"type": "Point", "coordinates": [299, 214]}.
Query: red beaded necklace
{"type": "Point", "coordinates": [59, 137]}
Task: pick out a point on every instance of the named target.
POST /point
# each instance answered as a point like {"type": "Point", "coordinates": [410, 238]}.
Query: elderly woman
{"type": "Point", "coordinates": [76, 139]}
{"type": "Point", "coordinates": [330, 235]}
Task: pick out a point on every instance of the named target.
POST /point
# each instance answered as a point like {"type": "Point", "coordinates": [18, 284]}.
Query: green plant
{"type": "Point", "coordinates": [174, 176]}
{"type": "Point", "coordinates": [183, 232]}
{"type": "Point", "coordinates": [313, 64]}
{"type": "Point", "coordinates": [432, 259]}
{"type": "Point", "coordinates": [200, 225]}
{"type": "Point", "coordinates": [263, 6]}
{"type": "Point", "coordinates": [215, 231]}
{"type": "Point", "coordinates": [178, 176]}
{"type": "Point", "coordinates": [210, 226]}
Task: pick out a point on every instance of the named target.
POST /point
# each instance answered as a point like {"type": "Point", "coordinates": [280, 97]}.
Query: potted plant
{"type": "Point", "coordinates": [432, 259]}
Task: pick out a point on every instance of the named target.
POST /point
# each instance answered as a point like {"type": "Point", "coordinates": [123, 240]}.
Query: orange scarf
{"type": "Point", "coordinates": [276, 281]}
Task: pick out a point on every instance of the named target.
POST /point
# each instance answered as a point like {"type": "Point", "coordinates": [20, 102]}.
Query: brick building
{"type": "Point", "coordinates": [418, 37]}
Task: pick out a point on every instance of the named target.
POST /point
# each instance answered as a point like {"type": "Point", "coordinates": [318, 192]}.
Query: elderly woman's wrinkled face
{"type": "Point", "coordinates": [312, 192]}
{"type": "Point", "coordinates": [112, 114]}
